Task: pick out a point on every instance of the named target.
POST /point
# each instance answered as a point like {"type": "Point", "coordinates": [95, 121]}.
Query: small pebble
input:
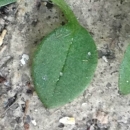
{"type": "Point", "coordinates": [61, 125]}
{"type": "Point", "coordinates": [11, 101]}
{"type": "Point", "coordinates": [25, 58]}
{"type": "Point", "coordinates": [34, 122]}
{"type": "Point", "coordinates": [29, 91]}
{"type": "Point", "coordinates": [67, 120]}
{"type": "Point", "coordinates": [84, 104]}
{"type": "Point", "coordinates": [104, 58]}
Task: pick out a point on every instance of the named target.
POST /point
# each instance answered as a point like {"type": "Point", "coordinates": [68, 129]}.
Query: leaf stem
{"type": "Point", "coordinates": [67, 11]}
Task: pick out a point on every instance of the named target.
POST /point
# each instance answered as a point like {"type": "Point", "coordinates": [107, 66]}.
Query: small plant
{"type": "Point", "coordinates": [64, 62]}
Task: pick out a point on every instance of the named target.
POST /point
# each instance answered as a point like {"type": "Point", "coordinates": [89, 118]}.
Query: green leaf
{"type": "Point", "coordinates": [64, 63]}
{"type": "Point", "coordinates": [6, 2]}
{"type": "Point", "coordinates": [124, 77]}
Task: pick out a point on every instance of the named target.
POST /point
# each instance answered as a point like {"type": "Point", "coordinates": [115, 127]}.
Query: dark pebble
{"type": "Point", "coordinates": [23, 107]}
{"type": "Point", "coordinates": [34, 23]}
{"type": "Point", "coordinates": [63, 23]}
{"type": "Point", "coordinates": [29, 91]}
{"type": "Point", "coordinates": [38, 5]}
{"type": "Point", "coordinates": [61, 125]}
{"type": "Point", "coordinates": [2, 79]}
{"type": "Point", "coordinates": [49, 5]}
{"type": "Point", "coordinates": [11, 101]}
{"type": "Point", "coordinates": [4, 10]}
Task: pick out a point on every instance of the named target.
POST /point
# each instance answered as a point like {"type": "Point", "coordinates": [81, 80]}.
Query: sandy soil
{"type": "Point", "coordinates": [101, 106]}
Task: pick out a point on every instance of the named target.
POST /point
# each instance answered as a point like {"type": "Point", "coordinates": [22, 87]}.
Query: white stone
{"type": "Point", "coordinates": [104, 58]}
{"type": "Point", "coordinates": [25, 57]}
{"type": "Point", "coordinates": [34, 122]}
{"type": "Point", "coordinates": [67, 120]}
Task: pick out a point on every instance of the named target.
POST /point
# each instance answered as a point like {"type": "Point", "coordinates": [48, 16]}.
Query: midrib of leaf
{"type": "Point", "coordinates": [62, 70]}
{"type": "Point", "coordinates": [68, 51]}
